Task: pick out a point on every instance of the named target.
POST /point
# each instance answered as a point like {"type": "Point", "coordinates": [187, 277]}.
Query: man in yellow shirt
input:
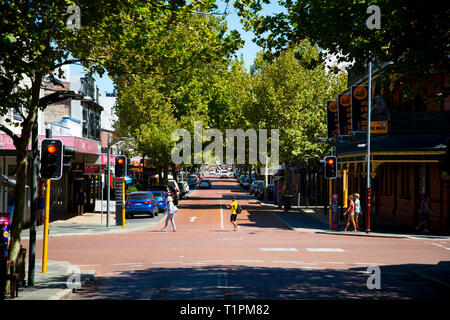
{"type": "Point", "coordinates": [234, 214]}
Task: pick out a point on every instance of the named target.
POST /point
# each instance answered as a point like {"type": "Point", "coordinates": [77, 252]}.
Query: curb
{"type": "Point", "coordinates": [65, 293]}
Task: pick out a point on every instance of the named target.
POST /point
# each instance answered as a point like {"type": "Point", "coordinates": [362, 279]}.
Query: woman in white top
{"type": "Point", "coordinates": [357, 209]}
{"type": "Point", "coordinates": [171, 214]}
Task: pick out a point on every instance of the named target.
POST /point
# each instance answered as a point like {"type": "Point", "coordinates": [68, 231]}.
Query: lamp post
{"type": "Point", "coordinates": [110, 144]}
{"type": "Point", "coordinates": [368, 149]}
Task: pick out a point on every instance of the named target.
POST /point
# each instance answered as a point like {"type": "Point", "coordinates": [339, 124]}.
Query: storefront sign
{"type": "Point", "coordinates": [360, 108]}
{"type": "Point", "coordinates": [378, 127]}
{"type": "Point", "coordinates": [345, 114]}
{"type": "Point", "coordinates": [332, 119]}
{"type": "Point", "coordinates": [79, 144]}
{"type": "Point", "coordinates": [91, 169]}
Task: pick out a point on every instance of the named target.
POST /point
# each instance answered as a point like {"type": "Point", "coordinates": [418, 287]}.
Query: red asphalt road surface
{"type": "Point", "coordinates": [205, 239]}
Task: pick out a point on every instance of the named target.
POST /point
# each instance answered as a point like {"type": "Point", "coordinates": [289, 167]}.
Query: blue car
{"type": "Point", "coordinates": [141, 203]}
{"type": "Point", "coordinates": [191, 182]}
{"type": "Point", "coordinates": [160, 200]}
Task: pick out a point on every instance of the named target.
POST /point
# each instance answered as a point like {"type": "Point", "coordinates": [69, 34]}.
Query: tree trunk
{"type": "Point", "coordinates": [20, 195]}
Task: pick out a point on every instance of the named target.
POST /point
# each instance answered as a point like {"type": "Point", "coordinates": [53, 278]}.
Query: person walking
{"type": "Point", "coordinates": [40, 209]}
{"type": "Point", "coordinates": [351, 214]}
{"type": "Point", "coordinates": [81, 201]}
{"type": "Point", "coordinates": [357, 209]}
{"type": "Point", "coordinates": [233, 207]}
{"type": "Point", "coordinates": [426, 211]}
{"type": "Point", "coordinates": [172, 209]}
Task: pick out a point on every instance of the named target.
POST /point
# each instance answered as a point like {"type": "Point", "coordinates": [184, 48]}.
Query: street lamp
{"type": "Point", "coordinates": [110, 144]}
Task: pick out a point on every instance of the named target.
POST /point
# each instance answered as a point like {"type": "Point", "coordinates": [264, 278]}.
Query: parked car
{"type": "Point", "coordinates": [174, 185]}
{"type": "Point", "coordinates": [270, 192]}
{"type": "Point", "coordinates": [242, 180]}
{"type": "Point", "coordinates": [141, 203]}
{"type": "Point", "coordinates": [168, 191]}
{"type": "Point", "coordinates": [184, 187]}
{"type": "Point", "coordinates": [246, 184]}
{"type": "Point", "coordinates": [205, 184]}
{"type": "Point", "coordinates": [161, 200]}
{"type": "Point", "coordinates": [255, 185]}
{"type": "Point", "coordinates": [224, 174]}
{"type": "Point", "coordinates": [195, 177]}
{"type": "Point", "coordinates": [191, 182]}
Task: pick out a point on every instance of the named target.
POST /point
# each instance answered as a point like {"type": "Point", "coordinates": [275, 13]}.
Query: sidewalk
{"type": "Point", "coordinates": [58, 283]}
{"type": "Point", "coordinates": [93, 224]}
{"type": "Point", "coordinates": [313, 220]}
{"type": "Point", "coordinates": [61, 279]}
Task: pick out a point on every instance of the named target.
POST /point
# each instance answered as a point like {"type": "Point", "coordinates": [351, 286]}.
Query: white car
{"type": "Point", "coordinates": [174, 184]}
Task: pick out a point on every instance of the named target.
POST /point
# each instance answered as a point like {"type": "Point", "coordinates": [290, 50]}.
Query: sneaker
{"type": "Point", "coordinates": [163, 230]}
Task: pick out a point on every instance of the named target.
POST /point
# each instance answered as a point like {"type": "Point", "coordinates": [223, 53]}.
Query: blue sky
{"type": "Point", "coordinates": [248, 52]}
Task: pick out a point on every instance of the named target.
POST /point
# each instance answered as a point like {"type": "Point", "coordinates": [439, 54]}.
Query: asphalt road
{"type": "Point", "coordinates": [206, 259]}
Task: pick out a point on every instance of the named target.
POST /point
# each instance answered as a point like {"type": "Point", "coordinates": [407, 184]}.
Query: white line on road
{"type": "Point", "coordinates": [440, 245]}
{"type": "Point", "coordinates": [193, 219]}
{"type": "Point", "coordinates": [221, 214]}
{"type": "Point", "coordinates": [325, 249]}
{"type": "Point", "coordinates": [279, 249]}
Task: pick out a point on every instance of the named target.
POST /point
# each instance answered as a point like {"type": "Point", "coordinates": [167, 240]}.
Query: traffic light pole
{"type": "Point", "coordinates": [46, 222]}
{"type": "Point", "coordinates": [108, 187]}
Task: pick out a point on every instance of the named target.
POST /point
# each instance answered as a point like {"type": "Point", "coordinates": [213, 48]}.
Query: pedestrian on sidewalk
{"type": "Point", "coordinates": [40, 209]}
{"type": "Point", "coordinates": [233, 206]}
{"type": "Point", "coordinates": [351, 214]}
{"type": "Point", "coordinates": [357, 209]}
{"type": "Point", "coordinates": [425, 211]}
{"type": "Point", "coordinates": [172, 209]}
{"type": "Point", "coordinates": [81, 201]}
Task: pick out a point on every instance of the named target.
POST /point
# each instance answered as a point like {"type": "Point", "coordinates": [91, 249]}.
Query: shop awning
{"type": "Point", "coordinates": [396, 148]}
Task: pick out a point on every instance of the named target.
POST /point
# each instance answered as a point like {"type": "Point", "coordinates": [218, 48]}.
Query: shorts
{"type": "Point", "coordinates": [351, 214]}
{"type": "Point", "coordinates": [233, 217]}
{"type": "Point", "coordinates": [358, 213]}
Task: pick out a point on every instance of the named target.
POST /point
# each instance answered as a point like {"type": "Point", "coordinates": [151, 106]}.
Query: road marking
{"type": "Point", "coordinates": [279, 249]}
{"type": "Point", "coordinates": [221, 214]}
{"type": "Point", "coordinates": [325, 249]}
{"type": "Point", "coordinates": [193, 219]}
{"type": "Point", "coordinates": [440, 245]}
{"type": "Point", "coordinates": [89, 265]}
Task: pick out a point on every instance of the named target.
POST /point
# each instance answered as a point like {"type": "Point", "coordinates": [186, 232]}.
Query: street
{"type": "Point", "coordinates": [204, 259]}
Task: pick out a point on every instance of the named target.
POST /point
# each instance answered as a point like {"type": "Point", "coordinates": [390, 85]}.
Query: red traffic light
{"type": "Point", "coordinates": [120, 161]}
{"type": "Point", "coordinates": [330, 161]}
{"type": "Point", "coordinates": [51, 149]}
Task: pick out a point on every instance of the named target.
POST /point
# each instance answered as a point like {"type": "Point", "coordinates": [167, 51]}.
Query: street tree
{"type": "Point", "coordinates": [291, 97]}
{"type": "Point", "coordinates": [407, 31]}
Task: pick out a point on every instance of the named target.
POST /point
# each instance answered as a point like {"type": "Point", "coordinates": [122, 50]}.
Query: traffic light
{"type": "Point", "coordinates": [51, 159]}
{"type": "Point", "coordinates": [330, 167]}
{"type": "Point", "coordinates": [67, 158]}
{"type": "Point", "coordinates": [120, 166]}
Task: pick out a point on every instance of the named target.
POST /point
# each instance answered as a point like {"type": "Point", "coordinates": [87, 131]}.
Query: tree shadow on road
{"type": "Point", "coordinates": [232, 282]}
